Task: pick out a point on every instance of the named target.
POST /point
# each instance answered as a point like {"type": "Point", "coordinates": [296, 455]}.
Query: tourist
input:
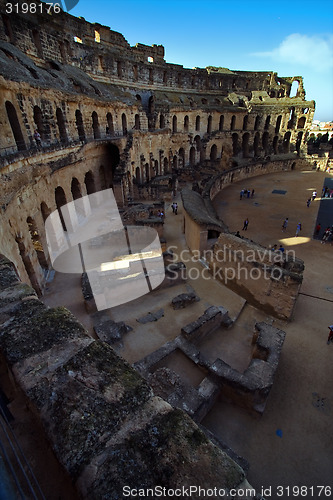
{"type": "Point", "coordinates": [330, 335]}
{"type": "Point", "coordinates": [246, 223]}
{"type": "Point", "coordinates": [314, 194]}
{"type": "Point", "coordinates": [298, 229]}
{"type": "Point", "coordinates": [308, 202]}
{"type": "Point", "coordinates": [285, 224]}
{"type": "Point", "coordinates": [318, 228]}
{"type": "Point", "coordinates": [176, 208]}
{"type": "Point", "coordinates": [252, 194]}
{"type": "Point", "coordinates": [281, 249]}
{"type": "Point", "coordinates": [107, 130]}
{"type": "Point", "coordinates": [241, 194]}
{"type": "Point", "coordinates": [326, 235]}
{"type": "Point", "coordinates": [38, 139]}
{"type": "Point", "coordinates": [173, 206]}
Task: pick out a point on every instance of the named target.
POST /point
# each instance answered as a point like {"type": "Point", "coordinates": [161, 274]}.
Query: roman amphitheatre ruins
{"type": "Point", "coordinates": [215, 378]}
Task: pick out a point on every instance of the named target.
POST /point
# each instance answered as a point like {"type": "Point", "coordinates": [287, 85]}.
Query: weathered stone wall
{"type": "Point", "coordinates": [268, 280]}
{"type": "Point", "coordinates": [104, 424]}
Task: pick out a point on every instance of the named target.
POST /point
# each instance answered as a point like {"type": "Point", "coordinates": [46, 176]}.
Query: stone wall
{"type": "Point", "coordinates": [103, 422]}
{"type": "Point", "coordinates": [268, 280]}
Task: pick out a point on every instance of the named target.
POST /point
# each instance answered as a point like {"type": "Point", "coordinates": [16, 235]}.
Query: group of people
{"type": "Point", "coordinates": [246, 193]}
{"type": "Point", "coordinates": [285, 225]}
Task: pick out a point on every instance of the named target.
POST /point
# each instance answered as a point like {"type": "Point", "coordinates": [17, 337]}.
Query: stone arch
{"type": "Point", "coordinates": [124, 123]}
{"type": "Point", "coordinates": [61, 126]}
{"type": "Point", "coordinates": [44, 210]}
{"type": "Point", "coordinates": [60, 199]}
{"type": "Point", "coordinates": [162, 121]}
{"type": "Point", "coordinates": [174, 124]}
{"type": "Point", "coordinates": [109, 120]}
{"type": "Point", "coordinates": [245, 145]}
{"type": "Point", "coordinates": [209, 124]}
{"type": "Point", "coordinates": [267, 122]}
{"type": "Point", "coordinates": [138, 175]}
{"type": "Point", "coordinates": [181, 158]}
{"type": "Point", "coordinates": [278, 124]}
{"type": "Point", "coordinates": [286, 142]}
{"type": "Point", "coordinates": [15, 126]}
{"type": "Point", "coordinates": [95, 125]}
{"type": "Point", "coordinates": [165, 165]}
{"type": "Point", "coordinates": [38, 120]}
{"type": "Point", "coordinates": [186, 123]}
{"type": "Point", "coordinates": [265, 139]}
{"type": "Point", "coordinates": [36, 242]}
{"type": "Point", "coordinates": [257, 122]}
{"type": "Point", "coordinates": [192, 156]}
{"type": "Point", "coordinates": [233, 122]}
{"type": "Point", "coordinates": [197, 123]}
{"type": "Point", "coordinates": [256, 144]}
{"type": "Point", "coordinates": [75, 189]}
{"type": "Point", "coordinates": [235, 146]}
{"type": "Point", "coordinates": [245, 122]}
{"type": "Point", "coordinates": [299, 142]}
{"type": "Point", "coordinates": [301, 122]}
{"type": "Point", "coordinates": [156, 167]}
{"type": "Point", "coordinates": [275, 144]}
{"type": "Point", "coordinates": [80, 126]}
{"type": "Point", "coordinates": [213, 153]}
{"type": "Point", "coordinates": [90, 182]}
{"type": "Point", "coordinates": [221, 123]}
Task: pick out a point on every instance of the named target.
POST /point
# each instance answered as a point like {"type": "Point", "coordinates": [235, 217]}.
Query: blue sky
{"type": "Point", "coordinates": [292, 38]}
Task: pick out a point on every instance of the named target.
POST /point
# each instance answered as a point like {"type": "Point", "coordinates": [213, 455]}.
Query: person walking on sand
{"type": "Point", "coordinates": [285, 224]}
{"type": "Point", "coordinates": [298, 229]}
{"type": "Point", "coordinates": [246, 223]}
{"type": "Point", "coordinates": [308, 202]}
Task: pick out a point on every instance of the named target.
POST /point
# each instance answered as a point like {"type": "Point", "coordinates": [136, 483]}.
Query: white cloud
{"type": "Point", "coordinates": [315, 52]}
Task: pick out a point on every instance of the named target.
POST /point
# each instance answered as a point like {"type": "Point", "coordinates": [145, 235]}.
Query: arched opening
{"type": "Point", "coordinates": [257, 122]}
{"type": "Point", "coordinates": [156, 167]}
{"type": "Point", "coordinates": [192, 156]}
{"type": "Point", "coordinates": [299, 142]}
{"type": "Point", "coordinates": [113, 158]}
{"type": "Point", "coordinates": [278, 124]}
{"type": "Point", "coordinates": [110, 125]}
{"type": "Point", "coordinates": [275, 144]}
{"type": "Point", "coordinates": [146, 172]}
{"type": "Point", "coordinates": [213, 152]}
{"type": "Point", "coordinates": [267, 122]}
{"type": "Point", "coordinates": [102, 178]}
{"type": "Point", "coordinates": [138, 175]}
{"type": "Point", "coordinates": [301, 122]}
{"type": "Point", "coordinates": [174, 163]}
{"type": "Point", "coordinates": [151, 113]}
{"type": "Point", "coordinates": [95, 125]}
{"type": "Point", "coordinates": [197, 123]}
{"type": "Point", "coordinates": [186, 123]}
{"type": "Point", "coordinates": [80, 126]}
{"type": "Point", "coordinates": [60, 199]}
{"type": "Point", "coordinates": [292, 117]}
{"type": "Point", "coordinates": [35, 238]}
{"type": "Point", "coordinates": [294, 89]}
{"type": "Point", "coordinates": [45, 210]}
{"type": "Point", "coordinates": [265, 138]}
{"type": "Point", "coordinates": [286, 142]}
{"type": "Point", "coordinates": [15, 126]}
{"type": "Point", "coordinates": [245, 122]}
{"type": "Point", "coordinates": [233, 122]}
{"type": "Point", "coordinates": [152, 172]}
{"type": "Point", "coordinates": [165, 166]}
{"type": "Point", "coordinates": [181, 163]}
{"type": "Point", "coordinates": [221, 123]}
{"type": "Point", "coordinates": [256, 144]}
{"type": "Point", "coordinates": [37, 42]}
{"type": "Point", "coordinates": [38, 119]}
{"type": "Point", "coordinates": [124, 123]}
{"type": "Point", "coordinates": [162, 121]}
{"type": "Point", "coordinates": [174, 124]}
{"type": "Point", "coordinates": [245, 145]}
{"type": "Point", "coordinates": [90, 183]}
{"type": "Point", "coordinates": [213, 234]}
{"type": "Point", "coordinates": [137, 122]}
{"type": "Point", "coordinates": [61, 126]}
{"type": "Point", "coordinates": [209, 124]}
{"type": "Point", "coordinates": [75, 189]}
{"type": "Point", "coordinates": [235, 147]}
